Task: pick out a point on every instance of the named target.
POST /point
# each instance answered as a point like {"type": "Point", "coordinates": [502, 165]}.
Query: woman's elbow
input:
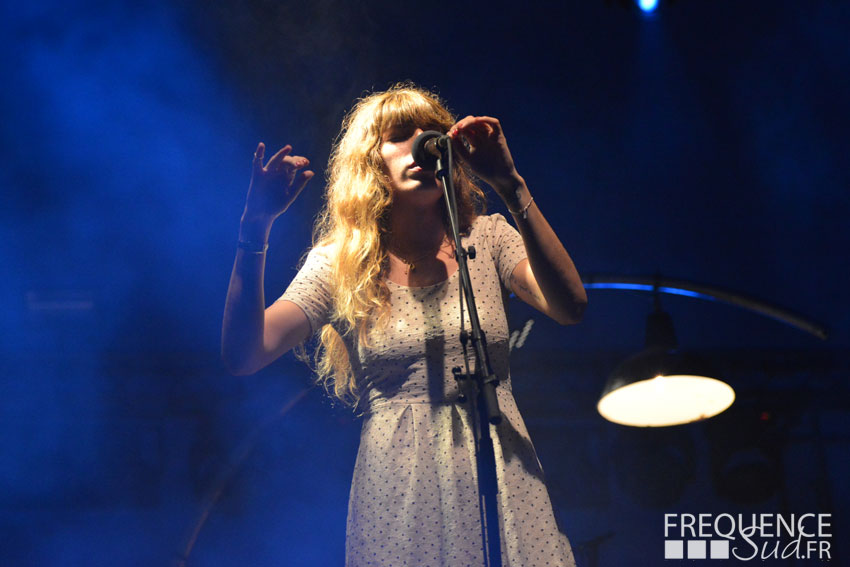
{"type": "Point", "coordinates": [237, 366]}
{"type": "Point", "coordinates": [572, 314]}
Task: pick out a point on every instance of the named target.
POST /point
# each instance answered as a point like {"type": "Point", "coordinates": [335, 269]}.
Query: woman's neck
{"type": "Point", "coordinates": [413, 229]}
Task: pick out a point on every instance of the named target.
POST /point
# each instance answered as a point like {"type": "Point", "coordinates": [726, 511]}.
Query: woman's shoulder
{"type": "Point", "coordinates": [321, 250]}
{"type": "Point", "coordinates": [317, 257]}
{"type": "Point", "coordinates": [485, 225]}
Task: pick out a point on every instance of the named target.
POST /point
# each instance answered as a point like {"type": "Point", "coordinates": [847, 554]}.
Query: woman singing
{"type": "Point", "coordinates": [380, 289]}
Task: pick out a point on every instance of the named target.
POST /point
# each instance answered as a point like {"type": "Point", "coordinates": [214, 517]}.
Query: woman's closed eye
{"type": "Point", "coordinates": [398, 134]}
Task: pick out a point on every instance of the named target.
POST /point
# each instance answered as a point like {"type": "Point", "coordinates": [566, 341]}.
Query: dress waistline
{"type": "Point", "coordinates": [377, 406]}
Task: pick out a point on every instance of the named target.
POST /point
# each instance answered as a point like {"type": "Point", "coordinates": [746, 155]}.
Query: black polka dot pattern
{"type": "Point", "coordinates": [414, 497]}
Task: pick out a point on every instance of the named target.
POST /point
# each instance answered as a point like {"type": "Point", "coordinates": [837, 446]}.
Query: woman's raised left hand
{"type": "Point", "coordinates": [481, 144]}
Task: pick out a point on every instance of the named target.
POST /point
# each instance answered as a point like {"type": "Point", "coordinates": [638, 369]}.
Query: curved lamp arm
{"type": "Point", "coordinates": [700, 291]}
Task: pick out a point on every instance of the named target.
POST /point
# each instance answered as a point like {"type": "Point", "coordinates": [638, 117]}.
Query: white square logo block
{"type": "Point", "coordinates": [696, 549]}
{"type": "Point", "coordinates": [674, 549]}
{"type": "Point", "coordinates": [719, 548]}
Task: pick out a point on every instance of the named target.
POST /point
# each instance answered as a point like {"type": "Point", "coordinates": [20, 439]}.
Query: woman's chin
{"type": "Point", "coordinates": [421, 195]}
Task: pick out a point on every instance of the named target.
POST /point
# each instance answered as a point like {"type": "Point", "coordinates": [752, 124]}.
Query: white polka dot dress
{"type": "Point", "coordinates": [414, 494]}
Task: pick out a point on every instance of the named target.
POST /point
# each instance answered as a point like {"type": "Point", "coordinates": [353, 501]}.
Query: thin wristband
{"type": "Point", "coordinates": [253, 247]}
{"type": "Point", "coordinates": [523, 211]}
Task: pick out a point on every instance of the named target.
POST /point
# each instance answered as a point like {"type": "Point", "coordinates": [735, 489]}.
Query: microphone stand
{"type": "Point", "coordinates": [485, 404]}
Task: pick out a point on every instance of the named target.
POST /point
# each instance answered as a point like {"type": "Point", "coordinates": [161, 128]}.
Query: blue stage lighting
{"type": "Point", "coordinates": [647, 5]}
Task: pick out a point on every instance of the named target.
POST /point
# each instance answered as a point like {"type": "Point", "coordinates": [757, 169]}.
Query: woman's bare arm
{"type": "Point", "coordinates": [252, 336]}
{"type": "Point", "coordinates": [548, 280]}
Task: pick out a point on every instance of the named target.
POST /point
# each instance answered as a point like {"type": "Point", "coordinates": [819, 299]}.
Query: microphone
{"type": "Point", "coordinates": [427, 147]}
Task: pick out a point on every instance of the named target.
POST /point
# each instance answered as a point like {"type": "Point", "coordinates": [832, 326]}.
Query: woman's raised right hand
{"type": "Point", "coordinates": [275, 185]}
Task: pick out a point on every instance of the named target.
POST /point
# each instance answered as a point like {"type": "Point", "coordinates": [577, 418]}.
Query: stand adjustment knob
{"type": "Point", "coordinates": [459, 375]}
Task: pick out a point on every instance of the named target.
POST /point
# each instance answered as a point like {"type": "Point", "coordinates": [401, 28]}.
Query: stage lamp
{"type": "Point", "coordinates": [648, 6]}
{"type": "Point", "coordinates": [661, 385]}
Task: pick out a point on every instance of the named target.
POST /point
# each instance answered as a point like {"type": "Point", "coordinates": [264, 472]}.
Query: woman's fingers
{"type": "Point", "coordinates": [482, 146]}
{"type": "Point", "coordinates": [275, 161]}
{"type": "Point", "coordinates": [258, 158]}
{"type": "Point", "coordinates": [296, 162]}
{"type": "Point", "coordinates": [290, 165]}
{"type": "Point", "coordinates": [300, 181]}
{"type": "Point", "coordinates": [275, 186]}
{"type": "Point", "coordinates": [476, 125]}
{"type": "Point", "coordinates": [476, 133]}
{"type": "Point", "coordinates": [281, 162]}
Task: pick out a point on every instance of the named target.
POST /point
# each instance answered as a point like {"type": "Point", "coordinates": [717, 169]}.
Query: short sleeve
{"type": "Point", "coordinates": [506, 246]}
{"type": "Point", "coordinates": [310, 289]}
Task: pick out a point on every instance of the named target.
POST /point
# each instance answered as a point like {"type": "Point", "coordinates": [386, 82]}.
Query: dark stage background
{"type": "Point", "coordinates": [704, 143]}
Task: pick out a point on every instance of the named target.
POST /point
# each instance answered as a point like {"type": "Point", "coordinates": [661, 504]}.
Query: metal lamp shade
{"type": "Point", "coordinates": [660, 387]}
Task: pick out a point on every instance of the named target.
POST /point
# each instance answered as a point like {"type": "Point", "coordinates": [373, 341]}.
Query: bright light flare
{"type": "Point", "coordinates": [647, 6]}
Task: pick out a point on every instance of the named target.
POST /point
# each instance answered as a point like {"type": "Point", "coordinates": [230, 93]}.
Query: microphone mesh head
{"type": "Point", "coordinates": [421, 156]}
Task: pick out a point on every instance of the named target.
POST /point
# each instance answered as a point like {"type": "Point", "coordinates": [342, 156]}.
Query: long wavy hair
{"type": "Point", "coordinates": [353, 225]}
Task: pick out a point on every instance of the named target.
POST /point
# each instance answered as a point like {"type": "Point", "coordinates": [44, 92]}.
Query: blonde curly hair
{"type": "Point", "coordinates": [353, 225]}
